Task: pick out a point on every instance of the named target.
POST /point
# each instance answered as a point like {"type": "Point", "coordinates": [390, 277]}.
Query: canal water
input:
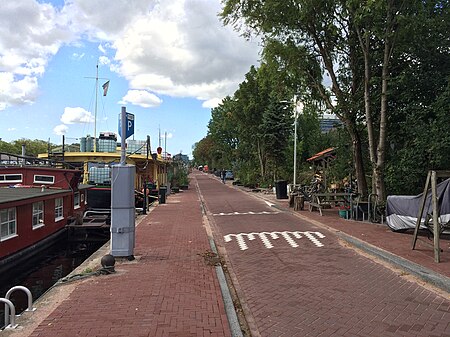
{"type": "Point", "coordinates": [40, 273]}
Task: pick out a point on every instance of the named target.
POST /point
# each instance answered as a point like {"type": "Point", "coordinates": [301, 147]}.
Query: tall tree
{"type": "Point", "coordinates": [318, 32]}
{"type": "Point", "coordinates": [222, 129]}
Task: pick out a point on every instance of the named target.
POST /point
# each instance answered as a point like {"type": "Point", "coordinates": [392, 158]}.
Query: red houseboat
{"type": "Point", "coordinates": [36, 203]}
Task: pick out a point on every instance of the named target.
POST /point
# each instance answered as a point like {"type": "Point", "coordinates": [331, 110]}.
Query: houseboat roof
{"type": "Point", "coordinates": [8, 194]}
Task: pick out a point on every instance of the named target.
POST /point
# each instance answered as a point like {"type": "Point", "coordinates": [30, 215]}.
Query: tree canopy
{"type": "Point", "coordinates": [381, 67]}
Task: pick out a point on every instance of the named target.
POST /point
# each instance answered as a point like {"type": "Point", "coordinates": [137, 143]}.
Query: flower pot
{"type": "Point", "coordinates": [343, 213]}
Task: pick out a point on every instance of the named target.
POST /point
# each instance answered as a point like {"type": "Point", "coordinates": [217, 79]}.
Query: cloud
{"type": "Point", "coordinates": [178, 48]}
{"type": "Point", "coordinates": [212, 103]}
{"type": "Point", "coordinates": [77, 56]}
{"type": "Point", "coordinates": [142, 98]}
{"type": "Point", "coordinates": [30, 34]}
{"type": "Point", "coordinates": [11, 129]}
{"type": "Point", "coordinates": [76, 116]}
{"type": "Point", "coordinates": [17, 90]}
{"type": "Point", "coordinates": [102, 49]}
{"type": "Point", "coordinates": [60, 129]}
{"type": "Point", "coordinates": [104, 60]}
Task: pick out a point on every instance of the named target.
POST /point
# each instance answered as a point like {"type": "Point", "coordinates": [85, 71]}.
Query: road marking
{"type": "Point", "coordinates": [244, 213]}
{"type": "Point", "coordinates": [269, 203]}
{"type": "Point", "coordinates": [266, 236]}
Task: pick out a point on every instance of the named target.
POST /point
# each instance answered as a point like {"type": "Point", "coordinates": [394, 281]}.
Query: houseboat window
{"type": "Point", "coordinates": [8, 227]}
{"type": "Point", "coordinates": [38, 214]}
{"type": "Point", "coordinates": [44, 179]}
{"type": "Point", "coordinates": [76, 200]}
{"type": "Point", "coordinates": [59, 209]}
{"type": "Point", "coordinates": [11, 178]}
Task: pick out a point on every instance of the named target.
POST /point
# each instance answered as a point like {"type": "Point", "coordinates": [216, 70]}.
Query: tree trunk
{"type": "Point", "coordinates": [261, 159]}
{"type": "Point", "coordinates": [365, 45]}
{"type": "Point", "coordinates": [358, 162]}
{"type": "Point", "coordinates": [381, 149]}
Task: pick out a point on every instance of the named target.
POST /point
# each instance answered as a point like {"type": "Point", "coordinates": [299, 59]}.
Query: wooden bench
{"type": "Point", "coordinates": [320, 201]}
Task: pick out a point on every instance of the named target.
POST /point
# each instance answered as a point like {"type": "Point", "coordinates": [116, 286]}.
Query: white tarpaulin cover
{"type": "Point", "coordinates": [402, 210]}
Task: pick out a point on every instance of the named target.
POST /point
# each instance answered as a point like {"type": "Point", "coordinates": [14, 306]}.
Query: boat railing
{"type": "Point", "coordinates": [8, 159]}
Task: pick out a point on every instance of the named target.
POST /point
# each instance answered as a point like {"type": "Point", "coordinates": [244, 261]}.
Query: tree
{"type": "Point", "coordinates": [32, 147]}
{"type": "Point", "coordinates": [203, 151]}
{"type": "Point", "coordinates": [222, 130]}
{"type": "Point", "coordinates": [420, 96]}
{"type": "Point", "coordinates": [317, 31]}
{"type": "Point", "coordinates": [276, 131]}
{"type": "Point", "coordinates": [352, 46]}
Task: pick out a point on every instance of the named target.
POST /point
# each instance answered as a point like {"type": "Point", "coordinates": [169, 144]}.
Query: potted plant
{"type": "Point", "coordinates": [344, 211]}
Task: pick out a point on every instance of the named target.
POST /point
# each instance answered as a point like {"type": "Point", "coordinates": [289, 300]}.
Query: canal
{"type": "Point", "coordinates": [41, 272]}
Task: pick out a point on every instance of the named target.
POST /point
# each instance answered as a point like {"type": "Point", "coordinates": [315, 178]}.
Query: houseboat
{"type": "Point", "coordinates": [96, 156]}
{"type": "Point", "coordinates": [36, 203]}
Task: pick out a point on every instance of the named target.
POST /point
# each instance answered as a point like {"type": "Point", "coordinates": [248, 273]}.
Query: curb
{"type": "Point", "coordinates": [233, 321]}
{"type": "Point", "coordinates": [439, 281]}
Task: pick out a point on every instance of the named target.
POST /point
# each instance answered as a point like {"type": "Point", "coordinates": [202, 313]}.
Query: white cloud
{"type": "Point", "coordinates": [77, 56]}
{"type": "Point", "coordinates": [104, 60]}
{"type": "Point", "coordinates": [212, 103]}
{"type": "Point", "coordinates": [11, 129]}
{"type": "Point", "coordinates": [60, 129]}
{"type": "Point", "coordinates": [17, 90]}
{"type": "Point", "coordinates": [178, 48]}
{"type": "Point", "coordinates": [30, 34]}
{"type": "Point", "coordinates": [102, 49]}
{"type": "Point", "coordinates": [142, 98]}
{"type": "Point", "coordinates": [76, 115]}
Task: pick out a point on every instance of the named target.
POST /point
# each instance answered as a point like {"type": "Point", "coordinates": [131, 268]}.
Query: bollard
{"type": "Point", "coordinates": [29, 297]}
{"type": "Point", "coordinates": [9, 323]}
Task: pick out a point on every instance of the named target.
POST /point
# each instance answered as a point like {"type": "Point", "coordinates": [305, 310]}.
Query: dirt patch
{"type": "Point", "coordinates": [211, 258]}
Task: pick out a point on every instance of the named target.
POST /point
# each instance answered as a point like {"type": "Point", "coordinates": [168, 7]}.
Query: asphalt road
{"type": "Point", "coordinates": [294, 278]}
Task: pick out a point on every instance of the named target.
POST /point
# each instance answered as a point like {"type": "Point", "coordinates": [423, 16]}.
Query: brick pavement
{"type": "Point", "coordinates": [311, 291]}
{"type": "Point", "coordinates": [169, 290]}
{"type": "Point", "coordinates": [378, 235]}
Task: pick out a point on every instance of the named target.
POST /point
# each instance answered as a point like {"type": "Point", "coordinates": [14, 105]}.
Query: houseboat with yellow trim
{"type": "Point", "coordinates": [95, 159]}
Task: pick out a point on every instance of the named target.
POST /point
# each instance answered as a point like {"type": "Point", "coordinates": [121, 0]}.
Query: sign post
{"type": "Point", "coordinates": [122, 195]}
{"type": "Point", "coordinates": [126, 122]}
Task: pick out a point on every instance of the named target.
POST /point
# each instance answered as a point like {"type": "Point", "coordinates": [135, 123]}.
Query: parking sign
{"type": "Point", "coordinates": [129, 125]}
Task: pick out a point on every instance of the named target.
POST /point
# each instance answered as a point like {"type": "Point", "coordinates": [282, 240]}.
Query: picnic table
{"type": "Point", "coordinates": [323, 200]}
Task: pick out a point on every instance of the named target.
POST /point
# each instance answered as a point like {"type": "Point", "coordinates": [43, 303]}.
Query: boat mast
{"type": "Point", "coordinates": [95, 109]}
{"type": "Point", "coordinates": [96, 103]}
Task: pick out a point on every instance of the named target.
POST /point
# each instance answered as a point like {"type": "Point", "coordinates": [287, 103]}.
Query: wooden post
{"type": "Point", "coordinates": [436, 226]}
{"type": "Point", "coordinates": [422, 206]}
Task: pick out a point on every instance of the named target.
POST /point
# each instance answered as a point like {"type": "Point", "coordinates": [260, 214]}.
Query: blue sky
{"type": "Point", "coordinates": [168, 62]}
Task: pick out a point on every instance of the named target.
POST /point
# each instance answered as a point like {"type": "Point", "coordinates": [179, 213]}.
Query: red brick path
{"type": "Point", "coordinates": [169, 290]}
{"type": "Point", "coordinates": [309, 290]}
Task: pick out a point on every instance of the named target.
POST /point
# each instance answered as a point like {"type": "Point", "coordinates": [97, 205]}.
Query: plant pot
{"type": "Point", "coordinates": [343, 213]}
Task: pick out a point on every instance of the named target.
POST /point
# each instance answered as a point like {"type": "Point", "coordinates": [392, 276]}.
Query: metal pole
{"type": "Point", "coordinates": [95, 113]}
{"type": "Point", "coordinates": [123, 126]}
{"type": "Point", "coordinates": [165, 144]}
{"type": "Point", "coordinates": [295, 140]}
{"type": "Point", "coordinates": [295, 150]}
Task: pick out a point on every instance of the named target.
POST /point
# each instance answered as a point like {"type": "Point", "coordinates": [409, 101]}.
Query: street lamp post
{"type": "Point", "coordinates": [295, 140]}
{"type": "Point", "coordinates": [297, 106]}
